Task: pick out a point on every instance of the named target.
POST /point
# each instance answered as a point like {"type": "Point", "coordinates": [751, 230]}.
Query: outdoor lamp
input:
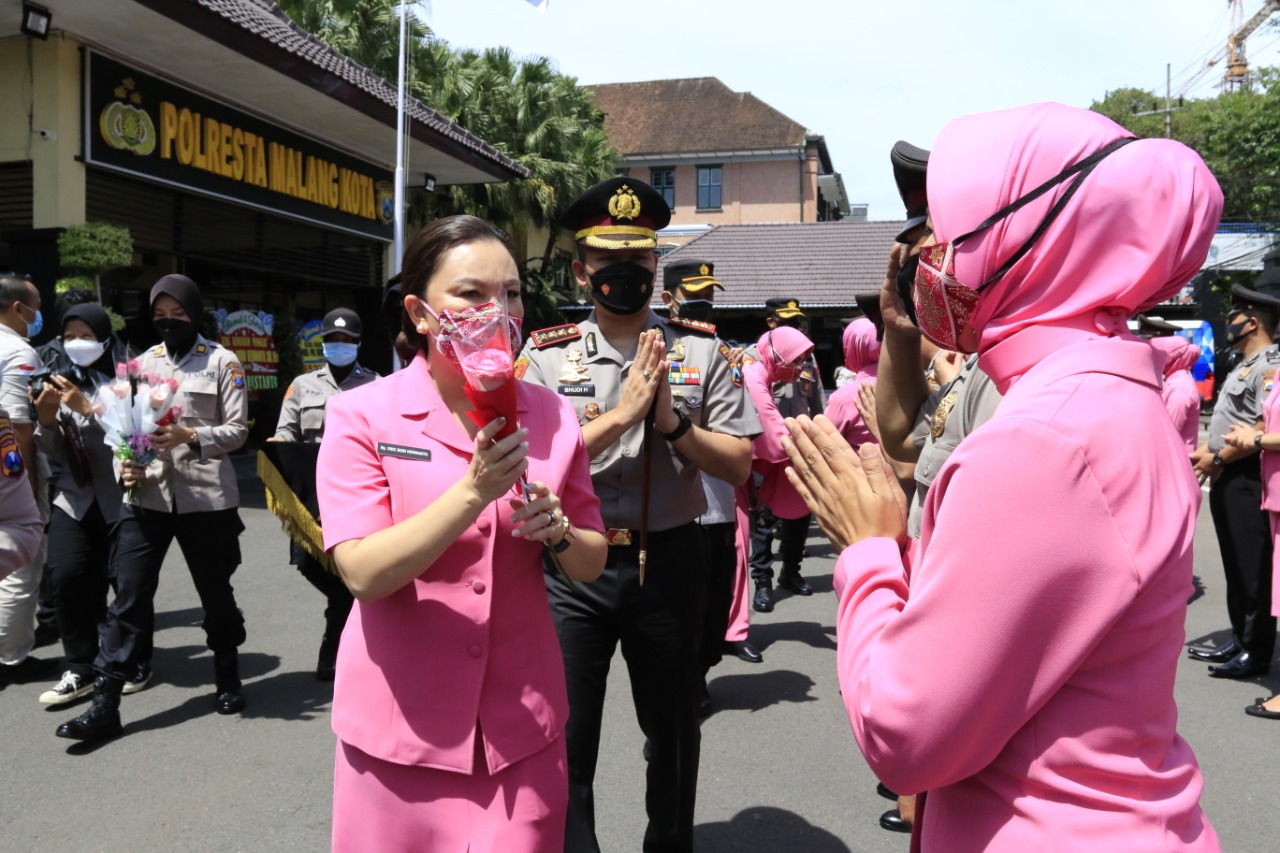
{"type": "Point", "coordinates": [36, 20]}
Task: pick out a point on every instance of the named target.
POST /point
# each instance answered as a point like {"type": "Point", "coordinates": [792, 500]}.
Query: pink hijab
{"type": "Point", "coordinates": [1137, 229]}
{"type": "Point", "coordinates": [1180, 353]}
{"type": "Point", "coordinates": [861, 349]}
{"type": "Point", "coordinates": [791, 344]}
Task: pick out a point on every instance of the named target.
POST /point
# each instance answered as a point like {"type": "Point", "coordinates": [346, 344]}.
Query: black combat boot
{"type": "Point", "coordinates": [226, 674]}
{"type": "Point", "coordinates": [102, 720]}
{"type": "Point", "coordinates": [328, 660]}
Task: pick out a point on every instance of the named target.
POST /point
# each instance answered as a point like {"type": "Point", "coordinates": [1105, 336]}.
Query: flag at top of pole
{"type": "Point", "coordinates": [540, 4]}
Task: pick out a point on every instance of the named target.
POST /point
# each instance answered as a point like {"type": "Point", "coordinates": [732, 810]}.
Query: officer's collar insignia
{"type": "Point", "coordinates": [201, 349]}
{"type": "Point", "coordinates": [624, 204]}
{"type": "Point", "coordinates": [592, 348]}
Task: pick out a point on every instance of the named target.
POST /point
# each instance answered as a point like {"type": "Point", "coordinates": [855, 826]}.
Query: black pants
{"type": "Point", "coordinates": [791, 548]}
{"type": "Point", "coordinates": [722, 565]}
{"type": "Point", "coordinates": [77, 574]}
{"type": "Point", "coordinates": [210, 543]}
{"type": "Point", "coordinates": [338, 599]}
{"type": "Point", "coordinates": [659, 626]}
{"type": "Point", "coordinates": [1244, 539]}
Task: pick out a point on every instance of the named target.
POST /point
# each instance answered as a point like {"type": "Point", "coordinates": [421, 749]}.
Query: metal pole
{"type": "Point", "coordinates": [398, 246]}
{"type": "Point", "coordinates": [1168, 101]}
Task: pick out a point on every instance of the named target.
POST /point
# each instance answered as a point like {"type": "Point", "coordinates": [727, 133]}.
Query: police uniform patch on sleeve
{"type": "Point", "coordinates": [1268, 379]}
{"type": "Point", "coordinates": [237, 374]}
{"type": "Point", "coordinates": [288, 391]}
{"type": "Point", "coordinates": [522, 365]}
{"type": "Point", "coordinates": [10, 456]}
{"type": "Point", "coordinates": [544, 338]}
{"type": "Point", "coordinates": [696, 325]}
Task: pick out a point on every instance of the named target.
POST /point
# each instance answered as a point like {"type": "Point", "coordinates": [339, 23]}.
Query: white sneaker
{"type": "Point", "coordinates": [69, 689]}
{"type": "Point", "coordinates": [140, 678]}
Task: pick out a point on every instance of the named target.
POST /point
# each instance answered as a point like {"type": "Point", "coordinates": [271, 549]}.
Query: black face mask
{"type": "Point", "coordinates": [906, 284]}
{"type": "Point", "coordinates": [1235, 330]}
{"type": "Point", "coordinates": [178, 335]}
{"type": "Point", "coordinates": [623, 288]}
{"type": "Point", "coordinates": [695, 309]}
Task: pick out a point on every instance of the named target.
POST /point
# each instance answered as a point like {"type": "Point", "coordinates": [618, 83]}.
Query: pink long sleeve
{"type": "Point", "coordinates": [1182, 399]}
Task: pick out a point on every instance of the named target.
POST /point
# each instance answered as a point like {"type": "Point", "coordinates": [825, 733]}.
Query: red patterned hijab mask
{"type": "Point", "coordinates": [478, 323]}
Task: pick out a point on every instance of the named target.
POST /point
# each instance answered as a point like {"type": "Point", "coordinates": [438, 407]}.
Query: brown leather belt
{"type": "Point", "coordinates": [617, 536]}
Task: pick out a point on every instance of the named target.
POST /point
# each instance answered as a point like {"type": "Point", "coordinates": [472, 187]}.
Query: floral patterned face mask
{"type": "Point", "coordinates": [478, 323]}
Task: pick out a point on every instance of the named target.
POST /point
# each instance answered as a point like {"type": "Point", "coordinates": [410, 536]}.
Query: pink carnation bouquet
{"type": "Point", "coordinates": [131, 408]}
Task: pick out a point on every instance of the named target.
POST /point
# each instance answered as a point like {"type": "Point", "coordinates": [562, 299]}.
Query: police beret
{"type": "Point", "coordinates": [909, 166]}
{"type": "Point", "coordinates": [783, 307]}
{"type": "Point", "coordinates": [342, 320]}
{"type": "Point", "coordinates": [620, 213]}
{"type": "Point", "coordinates": [1265, 298]}
{"type": "Point", "coordinates": [692, 274]}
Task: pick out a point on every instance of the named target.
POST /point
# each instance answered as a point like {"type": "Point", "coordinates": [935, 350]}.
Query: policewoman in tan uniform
{"type": "Point", "coordinates": [302, 420]}
{"type": "Point", "coordinates": [613, 366]}
{"type": "Point", "coordinates": [187, 493]}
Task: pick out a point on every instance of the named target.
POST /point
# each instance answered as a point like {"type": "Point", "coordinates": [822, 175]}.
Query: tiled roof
{"type": "Point", "coordinates": [698, 115]}
{"type": "Point", "coordinates": [823, 264]}
{"type": "Point", "coordinates": [267, 21]}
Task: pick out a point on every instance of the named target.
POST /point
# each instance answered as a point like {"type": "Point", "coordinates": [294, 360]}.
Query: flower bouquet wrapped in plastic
{"type": "Point", "coordinates": [131, 408]}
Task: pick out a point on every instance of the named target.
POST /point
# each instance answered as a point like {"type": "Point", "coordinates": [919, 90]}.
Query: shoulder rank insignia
{"type": "Point", "coordinates": [1244, 372]}
{"type": "Point", "coordinates": [201, 349]}
{"type": "Point", "coordinates": [696, 325]}
{"type": "Point", "coordinates": [544, 338]}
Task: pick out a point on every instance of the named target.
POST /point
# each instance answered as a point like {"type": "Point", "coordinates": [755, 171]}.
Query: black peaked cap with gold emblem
{"type": "Point", "coordinates": [1265, 298]}
{"type": "Point", "coordinates": [620, 213]}
{"type": "Point", "coordinates": [692, 274]}
{"type": "Point", "coordinates": [783, 307]}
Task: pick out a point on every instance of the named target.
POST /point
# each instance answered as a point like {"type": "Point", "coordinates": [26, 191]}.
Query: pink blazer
{"type": "Point", "coordinates": [469, 645]}
{"type": "Point", "coordinates": [1024, 677]}
{"type": "Point", "coordinates": [769, 459]}
{"type": "Point", "coordinates": [842, 410]}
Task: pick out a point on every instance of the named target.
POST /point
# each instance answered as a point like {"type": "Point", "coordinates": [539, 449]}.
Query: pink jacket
{"type": "Point", "coordinates": [1179, 392]}
{"type": "Point", "coordinates": [470, 643]}
{"type": "Point", "coordinates": [862, 356]}
{"type": "Point", "coordinates": [769, 459]}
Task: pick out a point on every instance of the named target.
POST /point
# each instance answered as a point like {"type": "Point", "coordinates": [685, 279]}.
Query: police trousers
{"type": "Point", "coordinates": [722, 565]}
{"type": "Point", "coordinates": [79, 552]}
{"type": "Point", "coordinates": [790, 547]}
{"type": "Point", "coordinates": [210, 543]}
{"type": "Point", "coordinates": [659, 628]}
{"type": "Point", "coordinates": [338, 599]}
{"type": "Point", "coordinates": [1244, 540]}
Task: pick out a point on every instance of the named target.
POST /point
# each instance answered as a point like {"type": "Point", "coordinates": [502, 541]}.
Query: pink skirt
{"type": "Point", "coordinates": [382, 806]}
{"type": "Point", "coordinates": [1275, 571]}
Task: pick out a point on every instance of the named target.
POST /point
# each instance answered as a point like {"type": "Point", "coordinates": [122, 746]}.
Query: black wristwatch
{"type": "Point", "coordinates": [1218, 460]}
{"type": "Point", "coordinates": [681, 428]}
{"type": "Point", "coordinates": [1257, 441]}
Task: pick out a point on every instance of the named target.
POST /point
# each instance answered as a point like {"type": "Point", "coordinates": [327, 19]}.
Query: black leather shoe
{"type": "Point", "coordinates": [1221, 654]}
{"type": "Point", "coordinates": [893, 822]}
{"type": "Point", "coordinates": [794, 582]}
{"type": "Point", "coordinates": [230, 702]}
{"type": "Point", "coordinates": [763, 600]}
{"type": "Point", "coordinates": [883, 790]}
{"type": "Point", "coordinates": [1243, 665]}
{"type": "Point", "coordinates": [743, 651]}
{"type": "Point", "coordinates": [1259, 711]}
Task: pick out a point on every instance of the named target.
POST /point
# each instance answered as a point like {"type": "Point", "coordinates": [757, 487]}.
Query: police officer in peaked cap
{"type": "Point", "coordinates": [616, 366]}
{"type": "Point", "coordinates": [1235, 491]}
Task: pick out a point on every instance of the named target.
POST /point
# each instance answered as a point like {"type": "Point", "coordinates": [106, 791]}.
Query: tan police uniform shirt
{"type": "Point", "coordinates": [302, 414]}
{"type": "Point", "coordinates": [579, 363]}
{"type": "Point", "coordinates": [1243, 394]}
{"type": "Point", "coordinates": [21, 528]}
{"type": "Point", "coordinates": [215, 403]}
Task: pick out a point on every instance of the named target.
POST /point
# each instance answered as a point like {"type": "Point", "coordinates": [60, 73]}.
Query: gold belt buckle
{"type": "Point", "coordinates": [618, 536]}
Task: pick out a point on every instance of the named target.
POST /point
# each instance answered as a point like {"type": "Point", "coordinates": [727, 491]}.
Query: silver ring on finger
{"type": "Point", "coordinates": [551, 518]}
{"type": "Point", "coordinates": [645, 374]}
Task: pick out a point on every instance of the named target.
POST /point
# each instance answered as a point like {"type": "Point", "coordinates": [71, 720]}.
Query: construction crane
{"type": "Point", "coordinates": [1237, 73]}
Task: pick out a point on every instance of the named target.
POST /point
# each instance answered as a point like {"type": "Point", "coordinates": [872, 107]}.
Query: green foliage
{"type": "Point", "coordinates": [1236, 132]}
{"type": "Point", "coordinates": [117, 322]}
{"type": "Point", "coordinates": [95, 247]}
{"type": "Point", "coordinates": [73, 282]}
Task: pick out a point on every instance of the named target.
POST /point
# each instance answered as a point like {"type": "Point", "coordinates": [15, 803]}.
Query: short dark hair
{"type": "Point", "coordinates": [14, 288]}
{"type": "Point", "coordinates": [1266, 319]}
{"type": "Point", "coordinates": [430, 245]}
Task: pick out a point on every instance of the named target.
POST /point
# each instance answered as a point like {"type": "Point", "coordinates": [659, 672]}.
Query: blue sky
{"type": "Point", "coordinates": [867, 74]}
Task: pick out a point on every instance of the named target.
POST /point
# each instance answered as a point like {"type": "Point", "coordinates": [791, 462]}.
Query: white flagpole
{"type": "Point", "coordinates": [400, 187]}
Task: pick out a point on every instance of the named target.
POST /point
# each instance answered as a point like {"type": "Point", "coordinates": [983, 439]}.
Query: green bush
{"type": "Point", "coordinates": [95, 247]}
{"type": "Point", "coordinates": [73, 282]}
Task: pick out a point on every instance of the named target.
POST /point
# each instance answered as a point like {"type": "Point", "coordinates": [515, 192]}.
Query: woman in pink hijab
{"type": "Point", "coordinates": [1022, 675]}
{"type": "Point", "coordinates": [782, 352]}
{"type": "Point", "coordinates": [1179, 392]}
{"type": "Point", "coordinates": [862, 356]}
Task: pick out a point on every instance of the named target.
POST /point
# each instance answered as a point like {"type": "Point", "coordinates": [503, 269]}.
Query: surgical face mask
{"type": "Point", "coordinates": [339, 354]}
{"type": "Point", "coordinates": [176, 334]}
{"type": "Point", "coordinates": [945, 307]}
{"type": "Point", "coordinates": [36, 325]}
{"type": "Point", "coordinates": [623, 288]}
{"type": "Point", "coordinates": [84, 352]}
{"type": "Point", "coordinates": [695, 309]}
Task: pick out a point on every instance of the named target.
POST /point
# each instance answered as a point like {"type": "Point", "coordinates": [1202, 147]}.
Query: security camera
{"type": "Point", "coordinates": [47, 134]}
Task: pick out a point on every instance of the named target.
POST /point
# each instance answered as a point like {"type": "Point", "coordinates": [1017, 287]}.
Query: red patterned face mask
{"type": "Point", "coordinates": [945, 308]}
{"type": "Point", "coordinates": [477, 324]}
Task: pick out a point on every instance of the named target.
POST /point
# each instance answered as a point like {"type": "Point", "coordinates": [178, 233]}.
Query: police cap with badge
{"type": "Point", "coordinates": [785, 310]}
{"type": "Point", "coordinates": [341, 320]}
{"type": "Point", "coordinates": [620, 213]}
{"type": "Point", "coordinates": [1264, 296]}
{"type": "Point", "coordinates": [694, 275]}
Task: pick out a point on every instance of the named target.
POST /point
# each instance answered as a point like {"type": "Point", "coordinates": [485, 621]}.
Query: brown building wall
{"type": "Point", "coordinates": [753, 191]}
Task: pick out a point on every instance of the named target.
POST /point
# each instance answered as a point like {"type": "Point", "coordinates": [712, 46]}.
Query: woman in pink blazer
{"type": "Point", "coordinates": [1179, 392]}
{"type": "Point", "coordinates": [782, 353]}
{"type": "Point", "coordinates": [1022, 675]}
{"type": "Point", "coordinates": [449, 703]}
{"type": "Point", "coordinates": [862, 356]}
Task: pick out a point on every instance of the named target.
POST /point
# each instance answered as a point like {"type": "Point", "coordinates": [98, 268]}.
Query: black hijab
{"type": "Point", "coordinates": [99, 322]}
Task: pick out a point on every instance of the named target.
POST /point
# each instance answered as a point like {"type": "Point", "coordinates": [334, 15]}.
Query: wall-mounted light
{"type": "Point", "coordinates": [429, 183]}
{"type": "Point", "coordinates": [36, 20]}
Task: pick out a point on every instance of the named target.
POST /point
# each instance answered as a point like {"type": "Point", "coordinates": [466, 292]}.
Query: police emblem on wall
{"type": "Point", "coordinates": [386, 192]}
{"type": "Point", "coordinates": [624, 204]}
{"type": "Point", "coordinates": [124, 125]}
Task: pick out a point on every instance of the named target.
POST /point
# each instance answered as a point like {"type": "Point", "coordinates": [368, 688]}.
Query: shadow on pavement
{"type": "Point", "coordinates": [288, 696]}
{"type": "Point", "coordinates": [757, 692]}
{"type": "Point", "coordinates": [192, 666]}
{"type": "Point", "coordinates": [764, 635]}
{"type": "Point", "coordinates": [190, 617]}
{"type": "Point", "coordinates": [764, 829]}
{"type": "Point", "coordinates": [1197, 586]}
